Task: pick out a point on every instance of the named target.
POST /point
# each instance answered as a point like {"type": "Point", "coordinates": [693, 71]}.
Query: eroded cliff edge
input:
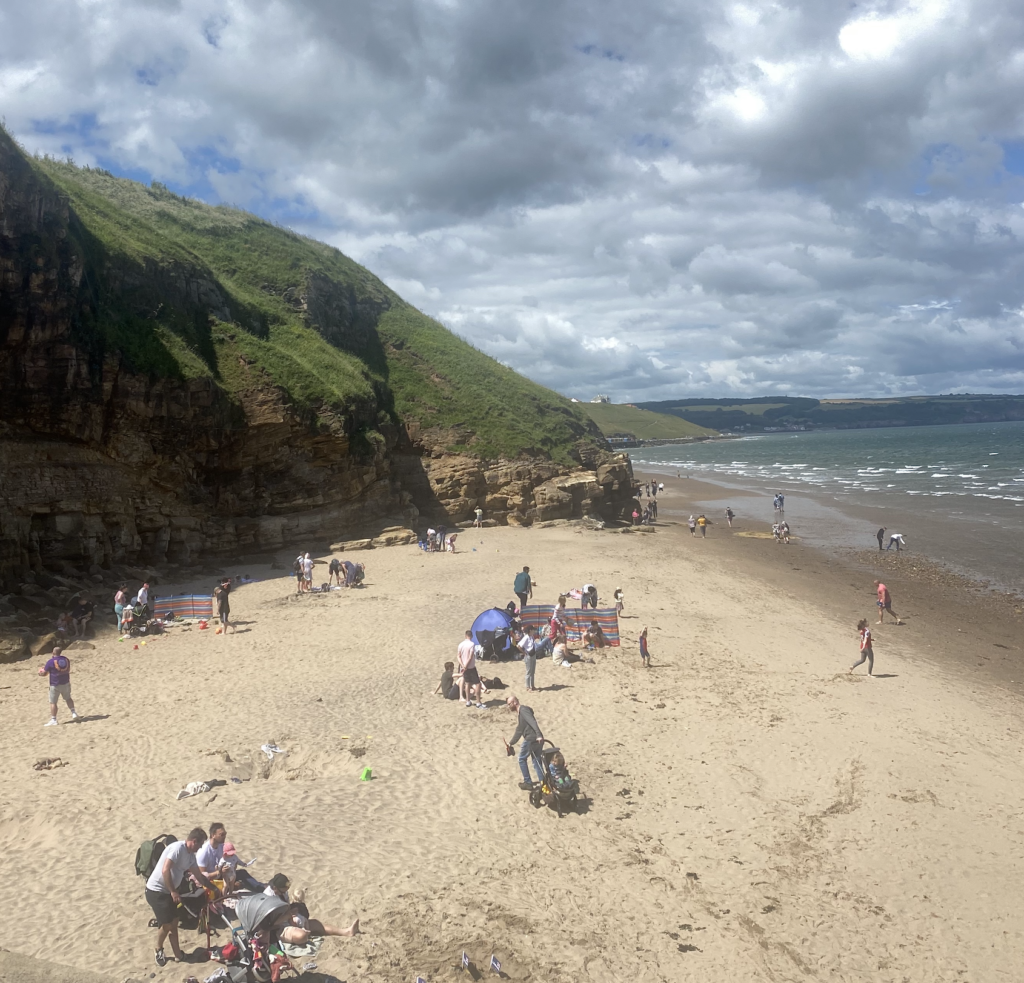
{"type": "Point", "coordinates": [165, 398]}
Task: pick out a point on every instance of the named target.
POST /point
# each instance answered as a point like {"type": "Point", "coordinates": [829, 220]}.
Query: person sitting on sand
{"type": "Point", "coordinates": [64, 624]}
{"type": "Point", "coordinates": [448, 688]}
{"type": "Point", "coordinates": [560, 651]}
{"type": "Point", "coordinates": [593, 637]}
{"type": "Point", "coordinates": [278, 886]}
{"type": "Point", "coordinates": [81, 615]}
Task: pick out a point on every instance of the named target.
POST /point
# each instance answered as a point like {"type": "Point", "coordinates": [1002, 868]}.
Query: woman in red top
{"type": "Point", "coordinates": [866, 653]}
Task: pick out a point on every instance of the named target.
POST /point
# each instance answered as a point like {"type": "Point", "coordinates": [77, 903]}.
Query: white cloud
{"type": "Point", "coordinates": [645, 200]}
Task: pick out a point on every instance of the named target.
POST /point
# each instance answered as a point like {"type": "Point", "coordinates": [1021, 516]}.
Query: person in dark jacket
{"type": "Point", "coordinates": [522, 587]}
{"type": "Point", "coordinates": [529, 730]}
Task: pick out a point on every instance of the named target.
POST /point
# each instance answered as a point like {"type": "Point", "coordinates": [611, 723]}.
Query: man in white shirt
{"type": "Point", "coordinates": [470, 683]}
{"type": "Point", "coordinates": [211, 853]}
{"type": "Point", "coordinates": [144, 595]}
{"type": "Point", "coordinates": [163, 889]}
{"type": "Point", "coordinates": [307, 571]}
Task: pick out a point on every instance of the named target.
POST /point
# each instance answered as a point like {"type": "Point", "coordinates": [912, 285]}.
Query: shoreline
{"type": "Point", "coordinates": [921, 588]}
{"type": "Point", "coordinates": [734, 793]}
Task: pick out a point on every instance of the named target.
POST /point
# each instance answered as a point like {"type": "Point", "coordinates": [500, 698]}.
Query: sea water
{"type": "Point", "coordinates": [955, 492]}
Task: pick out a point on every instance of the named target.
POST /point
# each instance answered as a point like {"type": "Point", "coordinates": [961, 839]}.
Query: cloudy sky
{"type": "Point", "coordinates": [645, 199]}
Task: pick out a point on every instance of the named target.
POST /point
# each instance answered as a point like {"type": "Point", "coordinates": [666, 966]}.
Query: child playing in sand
{"type": "Point", "coordinates": [619, 605]}
{"type": "Point", "coordinates": [645, 656]}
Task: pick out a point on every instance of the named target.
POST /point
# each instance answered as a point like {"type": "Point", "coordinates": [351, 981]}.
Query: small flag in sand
{"type": "Point", "coordinates": [465, 960]}
{"type": "Point", "coordinates": [495, 965]}
{"type": "Point", "coordinates": [420, 979]}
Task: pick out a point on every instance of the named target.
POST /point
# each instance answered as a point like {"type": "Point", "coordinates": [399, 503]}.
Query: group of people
{"type": "Point", "coordinates": [780, 503]}
{"type": "Point", "coordinates": [211, 862]}
{"type": "Point", "coordinates": [343, 573]}
{"type": "Point", "coordinates": [700, 522]}
{"type": "Point", "coordinates": [895, 539]}
{"type": "Point", "coordinates": [72, 624]}
{"type": "Point", "coordinates": [133, 611]}
{"type": "Point", "coordinates": [884, 603]}
{"type": "Point", "coordinates": [439, 540]}
{"type": "Point", "coordinates": [780, 531]}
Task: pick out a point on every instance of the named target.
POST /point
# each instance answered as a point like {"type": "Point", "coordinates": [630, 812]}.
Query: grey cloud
{"type": "Point", "coordinates": [647, 200]}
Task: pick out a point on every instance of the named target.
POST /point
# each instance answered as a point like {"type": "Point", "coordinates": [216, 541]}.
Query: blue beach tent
{"type": "Point", "coordinates": [492, 630]}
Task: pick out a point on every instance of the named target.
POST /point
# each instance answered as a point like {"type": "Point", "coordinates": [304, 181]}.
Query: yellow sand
{"type": "Point", "coordinates": [755, 814]}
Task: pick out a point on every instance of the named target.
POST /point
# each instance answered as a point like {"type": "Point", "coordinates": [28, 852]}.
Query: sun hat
{"type": "Point", "coordinates": [229, 848]}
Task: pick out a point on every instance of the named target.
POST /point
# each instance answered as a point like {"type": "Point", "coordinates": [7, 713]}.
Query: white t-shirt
{"type": "Point", "coordinates": [467, 653]}
{"type": "Point", "coordinates": [527, 645]}
{"type": "Point", "coordinates": [143, 596]}
{"type": "Point", "coordinates": [268, 890]}
{"type": "Point", "coordinates": [307, 566]}
{"type": "Point", "coordinates": [209, 856]}
{"type": "Point", "coordinates": [182, 860]}
{"type": "Point", "coordinates": [587, 588]}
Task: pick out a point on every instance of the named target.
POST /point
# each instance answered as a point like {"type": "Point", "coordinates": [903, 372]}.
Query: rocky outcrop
{"type": "Point", "coordinates": [451, 487]}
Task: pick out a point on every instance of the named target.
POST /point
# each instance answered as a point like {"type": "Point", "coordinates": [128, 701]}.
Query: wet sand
{"type": "Point", "coordinates": [752, 811]}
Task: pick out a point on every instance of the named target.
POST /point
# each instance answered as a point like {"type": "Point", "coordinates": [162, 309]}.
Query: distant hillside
{"type": "Point", "coordinates": [618, 419]}
{"type": "Point", "coordinates": [785, 412]}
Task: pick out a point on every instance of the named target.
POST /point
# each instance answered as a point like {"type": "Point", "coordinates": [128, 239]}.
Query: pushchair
{"type": "Point", "coordinates": [246, 957]}
{"type": "Point", "coordinates": [560, 795]}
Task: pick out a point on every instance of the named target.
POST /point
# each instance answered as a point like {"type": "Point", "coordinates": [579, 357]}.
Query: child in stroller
{"type": "Point", "coordinates": [559, 789]}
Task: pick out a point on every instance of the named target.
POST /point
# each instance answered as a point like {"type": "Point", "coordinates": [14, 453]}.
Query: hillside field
{"type": "Point", "coordinates": [614, 418]}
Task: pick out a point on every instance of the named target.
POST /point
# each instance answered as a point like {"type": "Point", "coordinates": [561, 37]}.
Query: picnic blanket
{"type": "Point", "coordinates": [184, 606]}
{"type": "Point", "coordinates": [577, 620]}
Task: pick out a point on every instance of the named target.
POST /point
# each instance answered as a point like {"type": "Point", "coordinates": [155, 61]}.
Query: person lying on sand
{"type": "Point", "coordinates": [294, 926]}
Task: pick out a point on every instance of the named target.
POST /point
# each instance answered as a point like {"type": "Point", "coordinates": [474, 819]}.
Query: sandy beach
{"type": "Point", "coordinates": [753, 812]}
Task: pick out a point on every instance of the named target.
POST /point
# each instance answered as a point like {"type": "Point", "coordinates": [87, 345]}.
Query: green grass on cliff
{"type": "Point", "coordinates": [615, 418]}
{"type": "Point", "coordinates": [136, 239]}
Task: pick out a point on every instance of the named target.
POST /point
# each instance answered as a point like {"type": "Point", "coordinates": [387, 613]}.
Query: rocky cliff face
{"type": "Point", "coordinates": [104, 465]}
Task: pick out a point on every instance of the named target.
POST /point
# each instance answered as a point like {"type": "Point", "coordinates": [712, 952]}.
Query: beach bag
{"type": "Point", "coordinates": [148, 854]}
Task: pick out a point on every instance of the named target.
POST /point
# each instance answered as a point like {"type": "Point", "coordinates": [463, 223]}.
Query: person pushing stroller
{"type": "Point", "coordinates": [529, 730]}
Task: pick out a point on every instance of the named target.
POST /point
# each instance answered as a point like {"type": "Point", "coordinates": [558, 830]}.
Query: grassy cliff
{"type": "Point", "coordinates": [614, 418]}
{"type": "Point", "coordinates": [183, 289]}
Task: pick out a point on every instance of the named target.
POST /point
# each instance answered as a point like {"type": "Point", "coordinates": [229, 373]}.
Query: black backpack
{"type": "Point", "coordinates": [148, 854]}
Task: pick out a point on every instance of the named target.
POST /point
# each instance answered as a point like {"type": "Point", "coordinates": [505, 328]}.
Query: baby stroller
{"type": "Point", "coordinates": [246, 958]}
{"type": "Point", "coordinates": [560, 794]}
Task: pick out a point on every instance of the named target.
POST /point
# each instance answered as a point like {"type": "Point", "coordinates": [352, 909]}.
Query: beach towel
{"type": "Point", "coordinates": [184, 606]}
{"type": "Point", "coordinates": [577, 621]}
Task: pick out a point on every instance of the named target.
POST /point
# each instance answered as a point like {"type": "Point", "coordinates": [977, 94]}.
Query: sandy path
{"type": "Point", "coordinates": [756, 814]}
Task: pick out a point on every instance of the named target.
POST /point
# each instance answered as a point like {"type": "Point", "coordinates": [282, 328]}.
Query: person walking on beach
{"type": "Point", "coordinates": [885, 603]}
{"type": "Point", "coordinates": [729, 516]}
{"type": "Point", "coordinates": [898, 539]}
{"type": "Point", "coordinates": [880, 535]}
{"type": "Point", "coordinates": [692, 523]}
{"type": "Point", "coordinates": [478, 518]}
{"type": "Point", "coordinates": [58, 668]}
{"type": "Point", "coordinates": [522, 587]}
{"type": "Point", "coordinates": [528, 729]}
{"type": "Point", "coordinates": [645, 655]}
{"type": "Point", "coordinates": [527, 644]}
{"type": "Point", "coordinates": [866, 653]}
{"type": "Point", "coordinates": [703, 523]}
